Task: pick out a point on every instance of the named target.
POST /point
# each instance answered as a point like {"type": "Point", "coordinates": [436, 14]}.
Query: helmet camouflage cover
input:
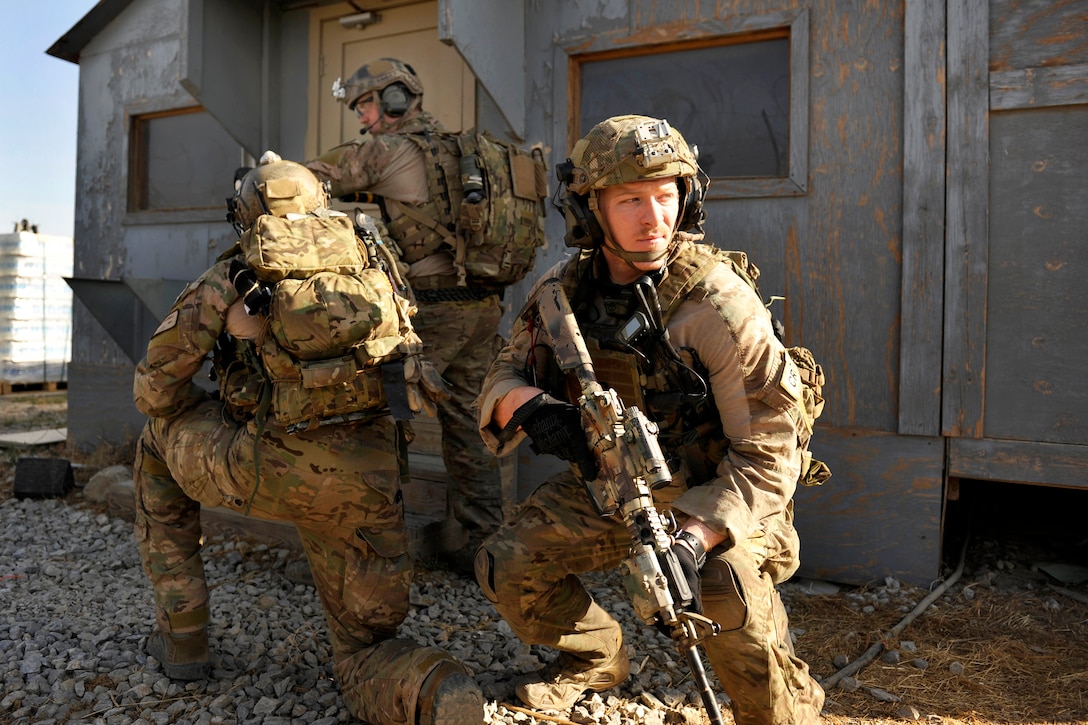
{"type": "Point", "coordinates": [375, 76]}
{"type": "Point", "coordinates": [276, 187]}
{"type": "Point", "coordinates": [629, 148]}
{"type": "Point", "coordinates": [619, 150]}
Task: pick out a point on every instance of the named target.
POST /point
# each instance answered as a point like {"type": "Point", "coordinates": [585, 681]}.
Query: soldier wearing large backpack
{"type": "Point", "coordinates": [459, 315]}
{"type": "Point", "coordinates": [676, 328]}
{"type": "Point", "coordinates": [313, 349]}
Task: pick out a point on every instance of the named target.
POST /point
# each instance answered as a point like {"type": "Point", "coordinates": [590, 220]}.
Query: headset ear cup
{"type": "Point", "coordinates": [583, 229]}
{"type": "Point", "coordinates": [395, 100]}
{"type": "Point", "coordinates": [692, 215]}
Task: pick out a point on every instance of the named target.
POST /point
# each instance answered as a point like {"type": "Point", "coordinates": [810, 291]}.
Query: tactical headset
{"type": "Point", "coordinates": [394, 100]}
{"type": "Point", "coordinates": [583, 229]}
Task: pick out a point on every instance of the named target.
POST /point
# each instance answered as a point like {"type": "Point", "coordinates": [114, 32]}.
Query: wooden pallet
{"type": "Point", "coordinates": [7, 388]}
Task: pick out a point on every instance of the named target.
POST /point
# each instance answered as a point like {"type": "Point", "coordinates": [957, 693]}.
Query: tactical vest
{"type": "Point", "coordinates": [333, 320]}
{"type": "Point", "coordinates": [690, 425]}
{"type": "Point", "coordinates": [486, 204]}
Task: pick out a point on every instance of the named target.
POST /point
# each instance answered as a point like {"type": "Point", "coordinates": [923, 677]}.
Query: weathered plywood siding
{"type": "Point", "coordinates": [1032, 462]}
{"type": "Point", "coordinates": [922, 296]}
{"type": "Point", "coordinates": [1037, 316]}
{"type": "Point", "coordinates": [1037, 312]}
{"type": "Point", "coordinates": [1037, 33]}
{"type": "Point", "coordinates": [130, 65]}
{"type": "Point", "coordinates": [1017, 327]}
{"type": "Point", "coordinates": [850, 249]}
{"type": "Point", "coordinates": [136, 65]}
{"type": "Point", "coordinates": [966, 221]}
{"type": "Point", "coordinates": [891, 483]}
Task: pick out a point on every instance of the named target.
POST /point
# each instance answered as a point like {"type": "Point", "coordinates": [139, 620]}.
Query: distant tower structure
{"type": "Point", "coordinates": [35, 307]}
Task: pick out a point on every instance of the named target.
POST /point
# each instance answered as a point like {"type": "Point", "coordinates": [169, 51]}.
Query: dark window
{"type": "Point", "coordinates": [741, 96]}
{"type": "Point", "coordinates": [180, 160]}
{"type": "Point", "coordinates": [733, 101]}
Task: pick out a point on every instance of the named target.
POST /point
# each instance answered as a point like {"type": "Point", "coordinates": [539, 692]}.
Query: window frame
{"type": "Point", "coordinates": [136, 186]}
{"type": "Point", "coordinates": [747, 29]}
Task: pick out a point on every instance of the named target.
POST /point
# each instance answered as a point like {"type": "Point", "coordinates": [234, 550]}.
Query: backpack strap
{"type": "Point", "coordinates": [441, 200]}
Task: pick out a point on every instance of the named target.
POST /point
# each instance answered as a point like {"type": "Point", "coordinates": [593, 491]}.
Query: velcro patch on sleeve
{"type": "Point", "coordinates": [168, 323]}
{"type": "Point", "coordinates": [790, 381]}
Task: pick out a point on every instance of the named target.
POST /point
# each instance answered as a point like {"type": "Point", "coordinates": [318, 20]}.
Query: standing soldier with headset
{"type": "Point", "coordinates": [458, 323]}
{"type": "Point", "coordinates": [675, 327]}
{"type": "Point", "coordinates": [314, 353]}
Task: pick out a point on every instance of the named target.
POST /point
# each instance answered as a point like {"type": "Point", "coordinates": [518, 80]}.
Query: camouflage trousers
{"type": "Point", "coordinates": [462, 339]}
{"type": "Point", "coordinates": [529, 570]}
{"type": "Point", "coordinates": [341, 487]}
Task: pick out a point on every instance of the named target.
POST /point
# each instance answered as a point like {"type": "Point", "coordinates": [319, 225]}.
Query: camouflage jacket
{"type": "Point", "coordinates": [726, 327]}
{"type": "Point", "coordinates": [163, 385]}
{"type": "Point", "coordinates": [393, 166]}
{"type": "Point", "coordinates": [366, 163]}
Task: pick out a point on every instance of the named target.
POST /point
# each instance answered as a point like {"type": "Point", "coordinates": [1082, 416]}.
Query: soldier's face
{"type": "Point", "coordinates": [639, 216]}
{"type": "Point", "coordinates": [367, 111]}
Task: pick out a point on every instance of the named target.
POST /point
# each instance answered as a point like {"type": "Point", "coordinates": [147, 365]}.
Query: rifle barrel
{"type": "Point", "coordinates": [699, 673]}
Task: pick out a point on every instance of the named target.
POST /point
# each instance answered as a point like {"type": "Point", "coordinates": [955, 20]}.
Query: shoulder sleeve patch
{"type": "Point", "coordinates": [791, 378]}
{"type": "Point", "coordinates": [169, 323]}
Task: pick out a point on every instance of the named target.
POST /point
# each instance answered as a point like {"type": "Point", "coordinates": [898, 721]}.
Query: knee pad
{"type": "Point", "coordinates": [723, 595]}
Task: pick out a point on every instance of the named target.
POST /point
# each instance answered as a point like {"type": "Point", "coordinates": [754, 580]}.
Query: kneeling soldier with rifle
{"type": "Point", "coordinates": [650, 363]}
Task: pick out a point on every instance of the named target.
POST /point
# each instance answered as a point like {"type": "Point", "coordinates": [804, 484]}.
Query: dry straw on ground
{"type": "Point", "coordinates": [1023, 656]}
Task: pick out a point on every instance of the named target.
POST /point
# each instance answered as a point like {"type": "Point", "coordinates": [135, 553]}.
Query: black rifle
{"type": "Point", "coordinates": [630, 462]}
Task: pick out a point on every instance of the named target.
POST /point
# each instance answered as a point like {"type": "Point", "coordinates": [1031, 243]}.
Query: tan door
{"type": "Point", "coordinates": [408, 33]}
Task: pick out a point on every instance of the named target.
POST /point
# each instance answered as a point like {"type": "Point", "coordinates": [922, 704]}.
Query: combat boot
{"type": "Point", "coordinates": [559, 685]}
{"type": "Point", "coordinates": [463, 561]}
{"type": "Point", "coordinates": [183, 656]}
{"type": "Point", "coordinates": [449, 697]}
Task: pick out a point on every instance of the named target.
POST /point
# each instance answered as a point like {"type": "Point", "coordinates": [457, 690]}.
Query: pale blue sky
{"type": "Point", "coordinates": [38, 123]}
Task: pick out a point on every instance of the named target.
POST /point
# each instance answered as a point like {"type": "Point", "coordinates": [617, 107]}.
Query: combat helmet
{"type": "Point", "coordinates": [623, 149]}
{"type": "Point", "coordinates": [274, 187]}
{"type": "Point", "coordinates": [394, 82]}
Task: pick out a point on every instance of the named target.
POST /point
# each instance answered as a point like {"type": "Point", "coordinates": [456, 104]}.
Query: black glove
{"type": "Point", "coordinates": [555, 428]}
{"type": "Point", "coordinates": [690, 568]}
{"type": "Point", "coordinates": [256, 296]}
{"type": "Point", "coordinates": [681, 563]}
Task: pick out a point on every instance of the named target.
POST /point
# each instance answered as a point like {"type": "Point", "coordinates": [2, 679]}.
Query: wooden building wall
{"type": "Point", "coordinates": [928, 241]}
{"type": "Point", "coordinates": [1015, 270]}
{"type": "Point", "coordinates": [844, 247]}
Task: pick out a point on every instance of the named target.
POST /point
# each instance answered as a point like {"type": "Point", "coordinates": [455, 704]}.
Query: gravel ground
{"type": "Point", "coordinates": [77, 612]}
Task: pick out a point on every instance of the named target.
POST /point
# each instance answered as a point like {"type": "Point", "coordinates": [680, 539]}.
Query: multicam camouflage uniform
{"type": "Point", "coordinates": [339, 484]}
{"type": "Point", "coordinates": [739, 464]}
{"type": "Point", "coordinates": [458, 325]}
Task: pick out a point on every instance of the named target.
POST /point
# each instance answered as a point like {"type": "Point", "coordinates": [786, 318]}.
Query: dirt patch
{"type": "Point", "coordinates": [33, 410]}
